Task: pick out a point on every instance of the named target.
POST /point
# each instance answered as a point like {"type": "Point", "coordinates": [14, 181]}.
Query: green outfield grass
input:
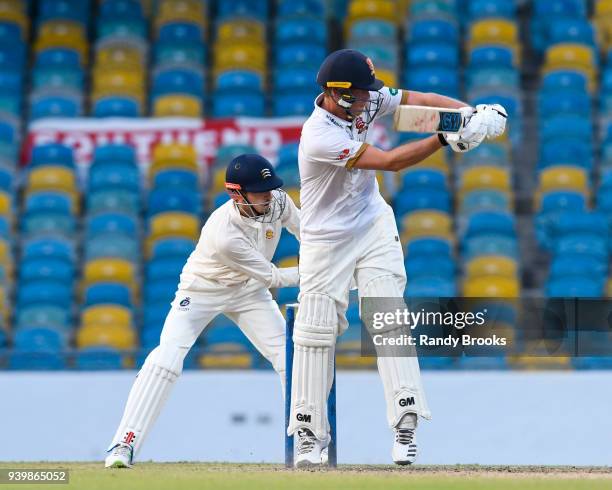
{"type": "Point", "coordinates": [202, 476]}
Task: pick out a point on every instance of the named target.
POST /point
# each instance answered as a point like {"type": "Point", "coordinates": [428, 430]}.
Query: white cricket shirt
{"type": "Point", "coordinates": [233, 249]}
{"type": "Point", "coordinates": [336, 199]}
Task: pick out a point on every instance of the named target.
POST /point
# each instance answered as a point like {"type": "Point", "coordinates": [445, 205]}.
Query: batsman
{"type": "Point", "coordinates": [348, 231]}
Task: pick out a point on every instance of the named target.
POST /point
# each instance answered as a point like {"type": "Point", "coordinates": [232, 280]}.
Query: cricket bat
{"type": "Point", "coordinates": [423, 119]}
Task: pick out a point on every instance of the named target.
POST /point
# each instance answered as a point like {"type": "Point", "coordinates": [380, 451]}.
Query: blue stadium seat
{"type": "Point", "coordinates": [424, 178]}
{"type": "Point", "coordinates": [36, 339]}
{"type": "Point", "coordinates": [489, 222]}
{"type": "Point", "coordinates": [181, 179]}
{"type": "Point", "coordinates": [571, 31]}
{"type": "Point", "coordinates": [425, 198]}
{"type": "Point", "coordinates": [36, 361]}
{"type": "Point", "coordinates": [580, 287]}
{"type": "Point", "coordinates": [43, 315]}
{"type": "Point", "coordinates": [432, 79]}
{"type": "Point", "coordinates": [578, 265]}
{"type": "Point", "coordinates": [424, 266]}
{"type": "Point", "coordinates": [295, 104]}
{"type": "Point", "coordinates": [300, 55]}
{"type": "Point", "coordinates": [485, 200]}
{"type": "Point", "coordinates": [162, 200]}
{"type": "Point", "coordinates": [438, 55]}
{"type": "Point", "coordinates": [291, 79]}
{"type": "Point", "coordinates": [108, 293]}
{"type": "Point", "coordinates": [490, 244]}
{"type": "Point", "coordinates": [6, 179]}
{"type": "Point", "coordinates": [58, 57]}
{"type": "Point", "coordinates": [41, 202]}
{"type": "Point", "coordinates": [482, 9]}
{"type": "Point", "coordinates": [98, 358]}
{"type": "Point", "coordinates": [562, 126]}
{"type": "Point", "coordinates": [121, 8]}
{"type": "Point", "coordinates": [257, 9]}
{"type": "Point", "coordinates": [113, 244]}
{"type": "Point", "coordinates": [34, 269]}
{"type": "Point", "coordinates": [63, 9]}
{"type": "Point", "coordinates": [44, 292]}
{"type": "Point", "coordinates": [565, 80]}
{"type": "Point", "coordinates": [376, 30]}
{"type": "Point", "coordinates": [120, 175]}
{"type": "Point", "coordinates": [564, 102]}
{"type": "Point", "coordinates": [300, 8]}
{"type": "Point", "coordinates": [301, 29]}
{"type": "Point", "coordinates": [431, 287]}
{"type": "Point", "coordinates": [56, 107]}
{"type": "Point", "coordinates": [503, 78]}
{"type": "Point", "coordinates": [433, 31]}
{"type": "Point", "coordinates": [109, 200]}
{"type": "Point", "coordinates": [288, 246]}
{"type": "Point", "coordinates": [166, 268]}
{"type": "Point", "coordinates": [112, 223]}
{"type": "Point", "coordinates": [287, 295]}
{"type": "Point", "coordinates": [249, 81]}
{"type": "Point", "coordinates": [428, 246]}
{"type": "Point", "coordinates": [573, 222]}
{"type": "Point", "coordinates": [491, 56]}
{"type": "Point", "coordinates": [116, 107]}
{"type": "Point", "coordinates": [574, 151]}
{"type": "Point", "coordinates": [161, 291]}
{"type": "Point", "coordinates": [173, 247]}
{"type": "Point", "coordinates": [178, 80]}
{"type": "Point", "coordinates": [52, 154]}
{"type": "Point", "coordinates": [234, 105]}
{"type": "Point", "coordinates": [185, 32]}
{"type": "Point", "coordinates": [114, 153]}
{"type": "Point", "coordinates": [586, 244]}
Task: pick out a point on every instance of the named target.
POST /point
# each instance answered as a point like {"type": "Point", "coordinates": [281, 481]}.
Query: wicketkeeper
{"type": "Point", "coordinates": [229, 272]}
{"type": "Point", "coordinates": [348, 230]}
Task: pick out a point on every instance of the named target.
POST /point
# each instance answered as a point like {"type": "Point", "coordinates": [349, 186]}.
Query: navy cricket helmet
{"type": "Point", "coordinates": [348, 68]}
{"type": "Point", "coordinates": [251, 173]}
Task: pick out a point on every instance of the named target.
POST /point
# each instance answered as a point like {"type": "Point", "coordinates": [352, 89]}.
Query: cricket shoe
{"type": "Point", "coordinates": [308, 449]}
{"type": "Point", "coordinates": [405, 447]}
{"type": "Point", "coordinates": [120, 456]}
{"type": "Point", "coordinates": [325, 455]}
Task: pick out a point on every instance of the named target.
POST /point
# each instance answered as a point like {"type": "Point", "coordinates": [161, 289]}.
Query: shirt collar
{"type": "Point", "coordinates": [335, 120]}
{"type": "Point", "coordinates": [241, 221]}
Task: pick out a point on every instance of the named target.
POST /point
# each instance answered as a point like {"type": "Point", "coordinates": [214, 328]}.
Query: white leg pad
{"type": "Point", "coordinates": [149, 393]}
{"type": "Point", "coordinates": [314, 336]}
{"type": "Point", "coordinates": [398, 369]}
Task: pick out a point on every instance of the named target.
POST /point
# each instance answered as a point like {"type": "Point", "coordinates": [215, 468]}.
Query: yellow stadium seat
{"type": "Point", "coordinates": [241, 31]}
{"type": "Point", "coordinates": [563, 177]}
{"type": "Point", "coordinates": [485, 177]}
{"type": "Point", "coordinates": [571, 56]}
{"type": "Point", "coordinates": [5, 205]}
{"type": "Point", "coordinates": [173, 224]}
{"type": "Point", "coordinates": [372, 9]}
{"type": "Point", "coordinates": [52, 177]}
{"type": "Point", "coordinates": [107, 315]}
{"type": "Point", "coordinates": [11, 11]}
{"type": "Point", "coordinates": [492, 265]}
{"type": "Point", "coordinates": [354, 361]}
{"type": "Point", "coordinates": [491, 287]}
{"type": "Point", "coordinates": [294, 194]}
{"type": "Point", "coordinates": [387, 76]}
{"type": "Point", "coordinates": [109, 270]}
{"type": "Point", "coordinates": [494, 31]}
{"type": "Point", "coordinates": [218, 181]}
{"type": "Point", "coordinates": [62, 33]}
{"type": "Point", "coordinates": [288, 262]}
{"type": "Point", "coordinates": [117, 80]}
{"type": "Point", "coordinates": [603, 8]}
{"type": "Point", "coordinates": [426, 224]}
{"type": "Point", "coordinates": [106, 335]}
{"type": "Point", "coordinates": [175, 154]}
{"type": "Point", "coordinates": [436, 161]}
{"type": "Point", "coordinates": [119, 55]}
{"type": "Point", "coordinates": [177, 106]}
{"type": "Point", "coordinates": [240, 56]}
{"type": "Point", "coordinates": [229, 360]}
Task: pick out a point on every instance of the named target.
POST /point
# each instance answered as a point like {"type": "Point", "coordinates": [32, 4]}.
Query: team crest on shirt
{"type": "Point", "coordinates": [343, 154]}
{"type": "Point", "coordinates": [269, 234]}
{"type": "Point", "coordinates": [360, 125]}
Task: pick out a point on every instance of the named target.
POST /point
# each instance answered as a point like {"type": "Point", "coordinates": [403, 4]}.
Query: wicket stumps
{"type": "Point", "coordinates": [331, 401]}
